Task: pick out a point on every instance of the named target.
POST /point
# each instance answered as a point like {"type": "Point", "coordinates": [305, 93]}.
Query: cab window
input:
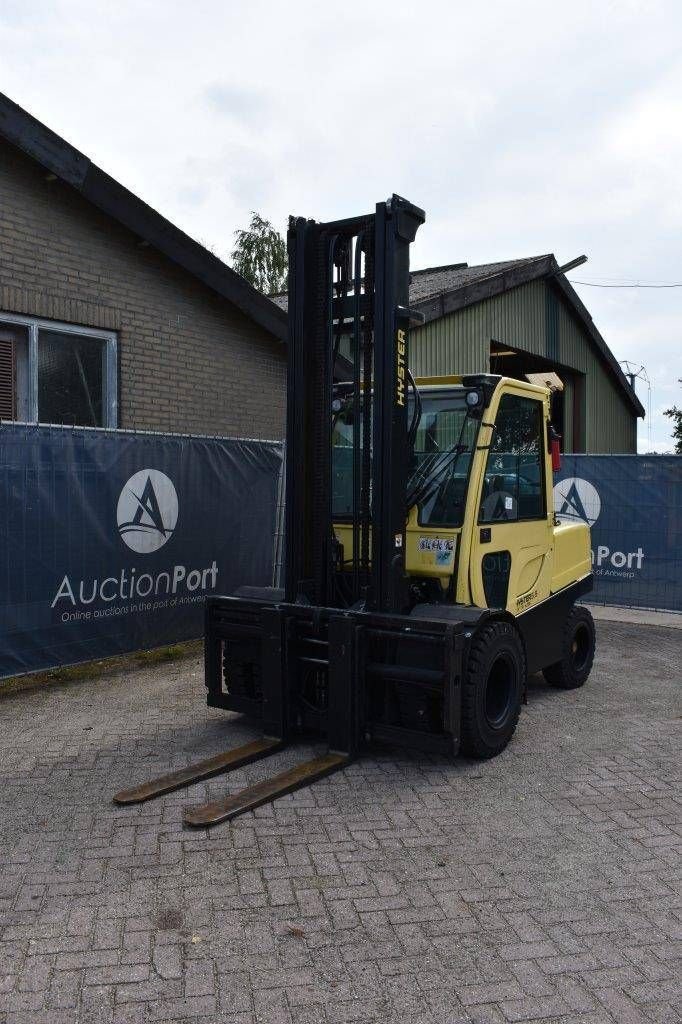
{"type": "Point", "coordinates": [443, 448]}
{"type": "Point", "coordinates": [513, 487]}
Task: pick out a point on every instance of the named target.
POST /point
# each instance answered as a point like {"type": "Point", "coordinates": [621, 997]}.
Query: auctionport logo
{"type": "Point", "coordinates": [578, 500]}
{"type": "Point", "coordinates": [575, 498]}
{"type": "Point", "coordinates": [147, 511]}
{"type": "Point", "coordinates": [147, 514]}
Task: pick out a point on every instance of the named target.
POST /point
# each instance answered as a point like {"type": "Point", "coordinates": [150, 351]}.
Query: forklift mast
{"type": "Point", "coordinates": [349, 318]}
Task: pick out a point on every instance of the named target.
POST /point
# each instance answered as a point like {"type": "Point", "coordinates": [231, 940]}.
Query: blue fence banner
{"type": "Point", "coordinates": [111, 540]}
{"type": "Point", "coordinates": [633, 504]}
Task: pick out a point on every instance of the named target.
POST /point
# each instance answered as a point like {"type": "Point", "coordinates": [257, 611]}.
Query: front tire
{"type": "Point", "coordinates": [492, 690]}
{"type": "Point", "coordinates": [577, 651]}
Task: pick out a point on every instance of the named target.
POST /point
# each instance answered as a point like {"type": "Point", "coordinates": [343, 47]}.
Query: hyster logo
{"type": "Point", "coordinates": [400, 369]}
{"type": "Point", "coordinates": [147, 511]}
{"type": "Point", "coordinates": [576, 498]}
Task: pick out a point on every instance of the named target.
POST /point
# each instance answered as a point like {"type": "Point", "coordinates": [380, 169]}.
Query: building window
{"type": "Point", "coordinates": [57, 373]}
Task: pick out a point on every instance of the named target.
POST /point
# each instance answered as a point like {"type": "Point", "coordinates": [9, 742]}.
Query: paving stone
{"type": "Point", "coordinates": [541, 886]}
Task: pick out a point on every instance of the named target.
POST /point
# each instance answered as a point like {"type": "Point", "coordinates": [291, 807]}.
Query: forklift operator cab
{"type": "Point", "coordinates": [482, 530]}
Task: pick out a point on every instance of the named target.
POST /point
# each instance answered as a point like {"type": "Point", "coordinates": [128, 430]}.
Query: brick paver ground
{"type": "Point", "coordinates": [540, 886]}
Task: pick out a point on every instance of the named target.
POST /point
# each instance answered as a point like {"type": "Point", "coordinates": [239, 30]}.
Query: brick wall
{"type": "Point", "coordinates": [189, 361]}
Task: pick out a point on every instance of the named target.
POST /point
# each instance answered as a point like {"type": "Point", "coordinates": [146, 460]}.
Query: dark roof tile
{"type": "Point", "coordinates": [433, 281]}
{"type": "Point", "coordinates": [437, 280]}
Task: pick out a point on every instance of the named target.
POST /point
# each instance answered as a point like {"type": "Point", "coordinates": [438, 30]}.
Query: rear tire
{"type": "Point", "coordinates": [577, 651]}
{"type": "Point", "coordinates": [492, 691]}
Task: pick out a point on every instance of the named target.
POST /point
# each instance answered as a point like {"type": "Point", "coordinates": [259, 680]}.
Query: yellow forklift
{"type": "Point", "coordinates": [426, 576]}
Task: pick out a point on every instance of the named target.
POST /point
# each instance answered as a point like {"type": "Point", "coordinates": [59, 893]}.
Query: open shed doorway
{"type": "Point", "coordinates": [511, 362]}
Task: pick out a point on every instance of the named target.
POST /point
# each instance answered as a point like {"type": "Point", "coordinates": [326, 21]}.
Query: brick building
{"type": "Point", "coordinates": [111, 316]}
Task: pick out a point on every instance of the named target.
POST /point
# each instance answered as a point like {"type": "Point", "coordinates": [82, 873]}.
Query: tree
{"type": "Point", "coordinates": [675, 415]}
{"type": "Point", "coordinates": [260, 255]}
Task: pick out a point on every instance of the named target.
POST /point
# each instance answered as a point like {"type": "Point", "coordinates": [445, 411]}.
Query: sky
{"type": "Point", "coordinates": [520, 127]}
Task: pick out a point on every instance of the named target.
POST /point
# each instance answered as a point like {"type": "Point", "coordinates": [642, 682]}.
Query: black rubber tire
{"type": "Point", "coordinates": [492, 691]}
{"type": "Point", "coordinates": [577, 651]}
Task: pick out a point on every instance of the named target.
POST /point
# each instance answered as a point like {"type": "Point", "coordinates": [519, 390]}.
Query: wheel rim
{"type": "Point", "coordinates": [499, 690]}
{"type": "Point", "coordinates": [580, 648]}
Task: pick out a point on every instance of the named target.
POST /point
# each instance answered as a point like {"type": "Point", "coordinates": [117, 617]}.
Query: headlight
{"type": "Point", "coordinates": [473, 398]}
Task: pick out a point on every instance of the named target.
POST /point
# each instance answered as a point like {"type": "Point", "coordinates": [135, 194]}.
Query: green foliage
{"type": "Point", "coordinates": [260, 255]}
{"type": "Point", "coordinates": [675, 415]}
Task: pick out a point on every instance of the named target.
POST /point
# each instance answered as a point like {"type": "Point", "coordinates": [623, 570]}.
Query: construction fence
{"type": "Point", "coordinates": [111, 540]}
{"type": "Point", "coordinates": [633, 504]}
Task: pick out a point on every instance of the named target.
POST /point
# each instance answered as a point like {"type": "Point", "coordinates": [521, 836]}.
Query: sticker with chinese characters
{"type": "Point", "coordinates": [443, 548]}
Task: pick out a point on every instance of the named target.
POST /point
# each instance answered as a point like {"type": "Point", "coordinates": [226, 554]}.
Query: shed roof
{"type": "Point", "coordinates": [438, 291]}
{"type": "Point", "coordinates": [434, 288]}
{"type": "Point", "coordinates": [58, 157]}
{"type": "Point", "coordinates": [434, 281]}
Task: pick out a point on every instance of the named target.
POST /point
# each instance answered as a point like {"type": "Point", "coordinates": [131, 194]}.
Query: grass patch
{"type": "Point", "coordinates": [101, 668]}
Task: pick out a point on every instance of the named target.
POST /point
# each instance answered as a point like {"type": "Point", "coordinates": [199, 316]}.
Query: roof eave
{"type": "Point", "coordinates": [435, 306]}
{"type": "Point", "coordinates": [114, 199]}
{"type": "Point", "coordinates": [58, 157]}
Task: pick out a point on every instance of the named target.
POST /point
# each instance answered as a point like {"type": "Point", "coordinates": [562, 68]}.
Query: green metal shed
{"type": "Point", "coordinates": [519, 317]}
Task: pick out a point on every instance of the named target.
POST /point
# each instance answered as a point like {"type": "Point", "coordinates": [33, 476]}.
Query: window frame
{"type": "Point", "coordinates": [34, 325]}
{"type": "Point", "coordinates": [543, 469]}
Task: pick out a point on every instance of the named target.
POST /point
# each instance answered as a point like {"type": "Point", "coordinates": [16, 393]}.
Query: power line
{"type": "Point", "coordinates": [594, 284]}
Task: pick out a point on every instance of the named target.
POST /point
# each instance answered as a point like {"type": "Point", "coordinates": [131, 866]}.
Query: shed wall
{"type": "Point", "coordinates": [610, 424]}
{"type": "Point", "coordinates": [534, 319]}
